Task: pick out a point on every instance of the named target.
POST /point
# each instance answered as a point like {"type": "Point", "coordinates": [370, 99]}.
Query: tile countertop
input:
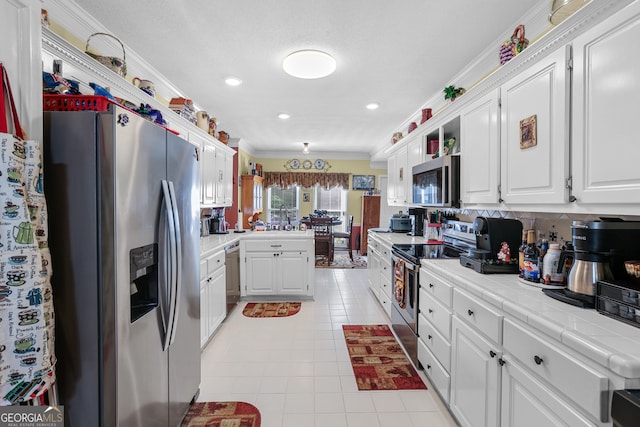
{"type": "Point", "coordinates": [394, 238]}
{"type": "Point", "coordinates": [608, 342]}
{"type": "Point", "coordinates": [218, 241]}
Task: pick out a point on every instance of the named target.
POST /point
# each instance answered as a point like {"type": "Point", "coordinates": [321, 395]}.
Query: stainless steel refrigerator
{"type": "Point", "coordinates": [123, 198]}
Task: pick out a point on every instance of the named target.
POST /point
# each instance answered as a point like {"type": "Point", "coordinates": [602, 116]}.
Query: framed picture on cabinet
{"type": "Point", "coordinates": [306, 197]}
{"type": "Point", "coordinates": [528, 132]}
{"type": "Point", "coordinates": [364, 182]}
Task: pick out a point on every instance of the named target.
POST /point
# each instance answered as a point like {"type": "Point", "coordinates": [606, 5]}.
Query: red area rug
{"type": "Point", "coordinates": [378, 360]}
{"type": "Point", "coordinates": [222, 414]}
{"type": "Point", "coordinates": [271, 309]}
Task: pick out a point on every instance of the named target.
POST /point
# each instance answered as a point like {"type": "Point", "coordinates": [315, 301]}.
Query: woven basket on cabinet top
{"type": "Point", "coordinates": [113, 63]}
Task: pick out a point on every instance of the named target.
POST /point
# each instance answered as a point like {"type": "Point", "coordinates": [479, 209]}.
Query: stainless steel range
{"type": "Point", "coordinates": [458, 239]}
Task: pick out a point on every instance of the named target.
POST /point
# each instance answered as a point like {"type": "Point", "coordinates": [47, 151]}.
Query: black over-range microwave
{"type": "Point", "coordinates": [437, 182]}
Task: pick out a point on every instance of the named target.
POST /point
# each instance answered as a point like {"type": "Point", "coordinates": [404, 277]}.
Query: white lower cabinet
{"type": "Point", "coordinates": [283, 267]}
{"type": "Point", "coordinates": [583, 385]}
{"type": "Point", "coordinates": [386, 285]}
{"type": "Point", "coordinates": [437, 373]}
{"type": "Point", "coordinates": [475, 377]}
{"type": "Point", "coordinates": [380, 271]}
{"type": "Point", "coordinates": [373, 270]}
{"type": "Point", "coordinates": [526, 402]}
{"type": "Point", "coordinates": [213, 304]}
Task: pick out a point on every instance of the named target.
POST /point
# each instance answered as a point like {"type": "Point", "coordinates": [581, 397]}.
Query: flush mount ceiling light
{"type": "Point", "coordinates": [372, 106]}
{"type": "Point", "coordinates": [309, 64]}
{"type": "Point", "coordinates": [284, 116]}
{"type": "Point", "coordinates": [562, 9]}
{"type": "Point", "coordinates": [305, 148]}
{"type": "Point", "coordinates": [233, 81]}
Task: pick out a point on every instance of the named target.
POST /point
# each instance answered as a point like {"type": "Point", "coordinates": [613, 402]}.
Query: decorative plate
{"type": "Point", "coordinates": [307, 164]}
{"type": "Point", "coordinates": [294, 163]}
{"type": "Point", "coordinates": [319, 164]}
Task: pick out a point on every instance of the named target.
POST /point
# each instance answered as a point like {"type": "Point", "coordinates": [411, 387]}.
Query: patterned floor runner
{"type": "Point", "coordinates": [342, 260]}
{"type": "Point", "coordinates": [222, 414]}
{"type": "Point", "coordinates": [378, 360]}
{"type": "Point", "coordinates": [271, 309]}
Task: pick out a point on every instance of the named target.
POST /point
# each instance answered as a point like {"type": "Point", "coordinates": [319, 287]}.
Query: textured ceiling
{"type": "Point", "coordinates": [396, 53]}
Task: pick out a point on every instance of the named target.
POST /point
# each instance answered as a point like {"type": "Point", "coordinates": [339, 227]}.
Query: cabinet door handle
{"type": "Point", "coordinates": [428, 366]}
{"type": "Point", "coordinates": [429, 337]}
{"type": "Point", "coordinates": [431, 285]}
{"type": "Point", "coordinates": [470, 312]}
{"type": "Point", "coordinates": [492, 353]}
{"type": "Point", "coordinates": [537, 359]}
{"type": "Point", "coordinates": [430, 311]}
{"type": "Point", "coordinates": [501, 361]}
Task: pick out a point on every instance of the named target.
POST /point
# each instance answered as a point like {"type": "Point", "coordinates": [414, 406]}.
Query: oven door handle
{"type": "Point", "coordinates": [407, 264]}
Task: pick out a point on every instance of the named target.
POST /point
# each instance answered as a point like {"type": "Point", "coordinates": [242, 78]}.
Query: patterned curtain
{"type": "Point", "coordinates": [306, 179]}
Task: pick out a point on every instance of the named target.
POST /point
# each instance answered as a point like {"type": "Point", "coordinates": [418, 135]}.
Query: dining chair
{"type": "Point", "coordinates": [348, 238]}
{"type": "Point", "coordinates": [323, 236]}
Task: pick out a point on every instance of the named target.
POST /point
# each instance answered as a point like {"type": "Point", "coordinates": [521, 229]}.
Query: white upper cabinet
{"type": "Point", "coordinates": [606, 88]}
{"type": "Point", "coordinates": [480, 168]}
{"type": "Point", "coordinates": [399, 173]}
{"type": "Point", "coordinates": [535, 133]}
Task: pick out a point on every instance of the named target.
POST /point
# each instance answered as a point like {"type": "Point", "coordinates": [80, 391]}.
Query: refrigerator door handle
{"type": "Point", "coordinates": [177, 284]}
{"type": "Point", "coordinates": [168, 204]}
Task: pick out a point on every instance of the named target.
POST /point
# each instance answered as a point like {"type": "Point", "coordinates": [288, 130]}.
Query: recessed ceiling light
{"type": "Point", "coordinates": [372, 106]}
{"type": "Point", "coordinates": [309, 64]}
{"type": "Point", "coordinates": [233, 81]}
{"type": "Point", "coordinates": [283, 116]}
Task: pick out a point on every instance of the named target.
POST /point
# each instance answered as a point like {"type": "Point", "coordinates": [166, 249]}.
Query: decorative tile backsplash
{"type": "Point", "coordinates": [555, 227]}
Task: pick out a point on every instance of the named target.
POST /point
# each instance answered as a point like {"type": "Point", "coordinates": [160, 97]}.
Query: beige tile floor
{"type": "Point", "coordinates": [296, 370]}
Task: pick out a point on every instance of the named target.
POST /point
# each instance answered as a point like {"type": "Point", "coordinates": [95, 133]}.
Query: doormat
{"type": "Point", "coordinates": [378, 360]}
{"type": "Point", "coordinates": [222, 414]}
{"type": "Point", "coordinates": [271, 309]}
{"type": "Point", "coordinates": [343, 261]}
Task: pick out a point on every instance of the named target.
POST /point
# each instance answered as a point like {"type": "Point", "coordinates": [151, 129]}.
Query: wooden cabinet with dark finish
{"type": "Point", "coordinates": [370, 219]}
{"type": "Point", "coordinates": [251, 198]}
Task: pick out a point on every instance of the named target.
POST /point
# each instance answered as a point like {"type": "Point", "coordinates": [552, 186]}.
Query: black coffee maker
{"type": "Point", "coordinates": [494, 237]}
{"type": "Point", "coordinates": [492, 232]}
{"type": "Point", "coordinates": [600, 250]}
{"type": "Point", "coordinates": [417, 216]}
{"type": "Point", "coordinates": [217, 223]}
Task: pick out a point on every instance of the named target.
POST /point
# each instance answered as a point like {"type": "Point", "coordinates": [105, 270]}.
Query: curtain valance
{"type": "Point", "coordinates": [306, 179]}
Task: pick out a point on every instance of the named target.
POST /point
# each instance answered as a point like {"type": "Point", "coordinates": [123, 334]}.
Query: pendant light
{"type": "Point", "coordinates": [562, 9]}
{"type": "Point", "coordinates": [305, 148]}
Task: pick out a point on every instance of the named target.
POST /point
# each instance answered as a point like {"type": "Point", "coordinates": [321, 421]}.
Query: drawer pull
{"type": "Point", "coordinates": [430, 311]}
{"type": "Point", "coordinates": [276, 246]}
{"type": "Point", "coordinates": [501, 361]}
{"type": "Point", "coordinates": [470, 312]}
{"type": "Point", "coordinates": [429, 337]}
{"type": "Point", "coordinates": [492, 353]}
{"type": "Point", "coordinates": [428, 366]}
{"type": "Point", "coordinates": [537, 359]}
{"type": "Point", "coordinates": [431, 285]}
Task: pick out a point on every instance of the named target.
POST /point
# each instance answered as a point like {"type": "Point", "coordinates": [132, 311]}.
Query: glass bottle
{"type": "Point", "coordinates": [521, 253]}
{"type": "Point", "coordinates": [531, 259]}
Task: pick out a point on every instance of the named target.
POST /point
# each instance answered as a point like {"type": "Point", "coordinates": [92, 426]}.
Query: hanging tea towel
{"type": "Point", "coordinates": [27, 358]}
